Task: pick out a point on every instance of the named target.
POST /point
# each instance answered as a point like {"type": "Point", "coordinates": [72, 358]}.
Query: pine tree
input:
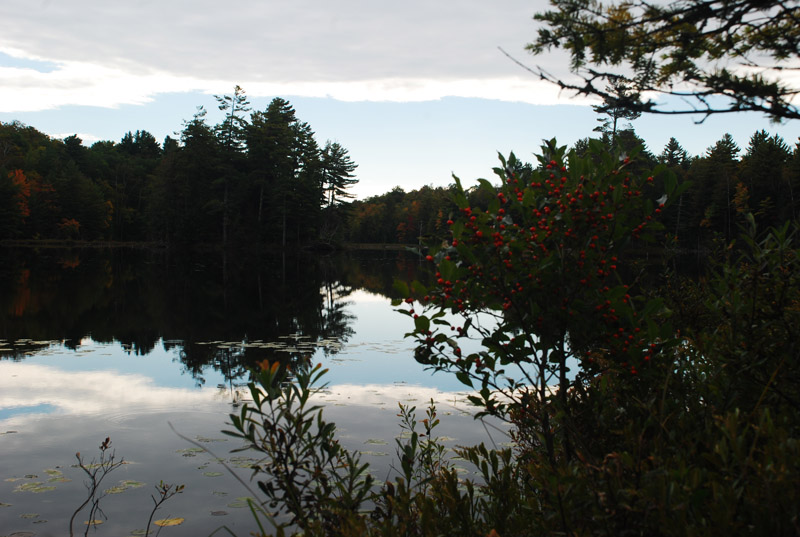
{"type": "Point", "coordinates": [338, 170]}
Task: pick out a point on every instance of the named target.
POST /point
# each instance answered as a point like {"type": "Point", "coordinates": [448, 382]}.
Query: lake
{"type": "Point", "coordinates": [131, 344]}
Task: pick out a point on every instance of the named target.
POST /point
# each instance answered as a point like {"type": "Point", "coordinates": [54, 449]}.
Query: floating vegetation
{"type": "Point", "coordinates": [375, 453]}
{"type": "Point", "coordinates": [165, 522]}
{"type": "Point", "coordinates": [36, 487]}
{"type": "Point", "coordinates": [190, 452]}
{"type": "Point", "coordinates": [206, 440]}
{"type": "Point", "coordinates": [9, 432]}
{"type": "Point", "coordinates": [123, 486]}
{"type": "Point", "coordinates": [376, 442]}
{"type": "Point", "coordinates": [291, 343]}
{"type": "Point", "coordinates": [29, 515]}
{"type": "Point", "coordinates": [212, 474]}
{"type": "Point", "coordinates": [219, 493]}
{"type": "Point", "coordinates": [56, 476]}
{"type": "Point", "coordinates": [5, 504]}
{"type": "Point", "coordinates": [243, 462]}
{"type": "Point", "coordinates": [219, 513]}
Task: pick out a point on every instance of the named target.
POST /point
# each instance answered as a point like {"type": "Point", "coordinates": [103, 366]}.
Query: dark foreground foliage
{"type": "Point", "coordinates": [640, 405]}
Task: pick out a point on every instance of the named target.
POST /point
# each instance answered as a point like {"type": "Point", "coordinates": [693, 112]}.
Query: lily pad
{"type": "Point", "coordinates": [190, 452]}
{"type": "Point", "coordinates": [374, 453]}
{"type": "Point", "coordinates": [243, 462]}
{"type": "Point", "coordinates": [166, 522]}
{"type": "Point", "coordinates": [29, 515]}
{"type": "Point", "coordinates": [376, 442]}
{"type": "Point", "coordinates": [206, 440]}
{"type": "Point", "coordinates": [5, 504]}
{"type": "Point", "coordinates": [219, 513]}
{"type": "Point", "coordinates": [123, 486]}
{"type": "Point", "coordinates": [34, 486]}
{"type": "Point", "coordinates": [212, 474]}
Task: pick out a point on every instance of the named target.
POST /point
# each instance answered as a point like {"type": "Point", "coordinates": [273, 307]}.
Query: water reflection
{"type": "Point", "coordinates": [141, 297]}
{"type": "Point", "coordinates": [122, 343]}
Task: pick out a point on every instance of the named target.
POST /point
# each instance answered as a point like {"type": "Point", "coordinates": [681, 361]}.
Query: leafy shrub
{"type": "Point", "coordinates": [638, 408]}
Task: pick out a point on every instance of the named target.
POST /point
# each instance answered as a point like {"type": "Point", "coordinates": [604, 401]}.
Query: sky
{"type": "Point", "coordinates": [416, 91]}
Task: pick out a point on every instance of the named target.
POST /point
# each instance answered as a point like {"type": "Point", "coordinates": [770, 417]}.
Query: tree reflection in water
{"type": "Point", "coordinates": [216, 310]}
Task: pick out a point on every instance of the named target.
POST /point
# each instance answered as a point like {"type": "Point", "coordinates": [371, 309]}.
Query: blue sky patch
{"type": "Point", "coordinates": [20, 63]}
{"type": "Point", "coordinates": [43, 408]}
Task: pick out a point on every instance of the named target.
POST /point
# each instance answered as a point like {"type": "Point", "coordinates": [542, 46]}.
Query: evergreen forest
{"type": "Point", "coordinates": [261, 178]}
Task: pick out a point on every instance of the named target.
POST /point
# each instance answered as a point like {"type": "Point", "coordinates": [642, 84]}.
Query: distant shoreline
{"type": "Point", "coordinates": [59, 243]}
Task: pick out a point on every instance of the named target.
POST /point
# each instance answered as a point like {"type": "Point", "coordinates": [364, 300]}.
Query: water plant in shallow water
{"type": "Point", "coordinates": [96, 471]}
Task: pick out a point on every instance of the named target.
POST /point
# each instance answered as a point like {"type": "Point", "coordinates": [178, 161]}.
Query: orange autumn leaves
{"type": "Point", "coordinates": [25, 186]}
{"type": "Point", "coordinates": [19, 180]}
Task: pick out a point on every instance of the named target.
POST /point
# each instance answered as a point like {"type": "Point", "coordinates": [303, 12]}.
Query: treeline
{"type": "Point", "coordinates": [727, 182]}
{"type": "Point", "coordinates": [263, 179]}
{"type": "Point", "coordinates": [257, 179]}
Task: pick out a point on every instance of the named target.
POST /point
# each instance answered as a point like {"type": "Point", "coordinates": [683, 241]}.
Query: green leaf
{"type": "Point", "coordinates": [401, 287]}
{"type": "Point", "coordinates": [418, 288]}
{"type": "Point", "coordinates": [463, 376]}
{"type": "Point", "coordinates": [447, 269]}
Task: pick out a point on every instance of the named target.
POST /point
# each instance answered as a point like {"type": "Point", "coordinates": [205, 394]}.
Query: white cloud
{"type": "Point", "coordinates": [90, 392]}
{"type": "Point", "coordinates": [108, 53]}
{"type": "Point", "coordinates": [82, 393]}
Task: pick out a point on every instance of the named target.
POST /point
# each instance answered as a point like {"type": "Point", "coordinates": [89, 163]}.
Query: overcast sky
{"type": "Point", "coordinates": [415, 90]}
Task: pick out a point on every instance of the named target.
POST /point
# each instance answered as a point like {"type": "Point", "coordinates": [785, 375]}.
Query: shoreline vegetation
{"type": "Point", "coordinates": [153, 245]}
{"type": "Point", "coordinates": [206, 192]}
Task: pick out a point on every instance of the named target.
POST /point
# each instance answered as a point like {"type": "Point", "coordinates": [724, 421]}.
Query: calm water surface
{"type": "Point", "coordinates": [127, 344]}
